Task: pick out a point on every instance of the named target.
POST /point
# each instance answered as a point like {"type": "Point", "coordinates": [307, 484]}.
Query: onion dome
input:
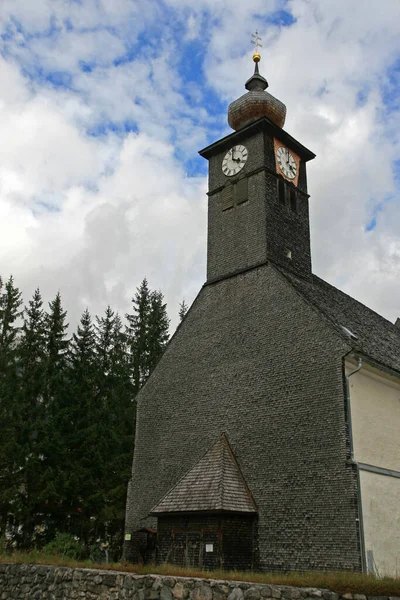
{"type": "Point", "coordinates": [256, 103]}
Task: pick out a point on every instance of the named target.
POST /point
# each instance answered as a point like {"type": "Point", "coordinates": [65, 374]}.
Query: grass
{"type": "Point", "coordinates": [339, 582]}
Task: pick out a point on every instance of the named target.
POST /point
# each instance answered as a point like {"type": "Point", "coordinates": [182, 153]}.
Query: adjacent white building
{"type": "Point", "coordinates": [375, 418]}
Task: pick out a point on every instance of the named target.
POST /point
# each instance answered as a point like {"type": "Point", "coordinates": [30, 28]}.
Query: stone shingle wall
{"type": "Point", "coordinates": [248, 234]}
{"type": "Point", "coordinates": [254, 360]}
{"type": "Point", "coordinates": [30, 582]}
{"type": "Point", "coordinates": [287, 229]}
{"type": "Point", "coordinates": [237, 237]}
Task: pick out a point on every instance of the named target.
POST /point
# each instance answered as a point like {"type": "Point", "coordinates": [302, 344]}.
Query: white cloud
{"type": "Point", "coordinates": [143, 218]}
{"type": "Point", "coordinates": [92, 216]}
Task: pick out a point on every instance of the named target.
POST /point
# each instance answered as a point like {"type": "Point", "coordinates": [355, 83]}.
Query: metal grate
{"type": "Point", "coordinates": [242, 194]}
{"type": "Point", "coordinates": [227, 197]}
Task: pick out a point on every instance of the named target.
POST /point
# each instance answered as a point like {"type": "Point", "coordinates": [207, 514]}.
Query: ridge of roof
{"type": "Point", "coordinates": [322, 282]}
{"type": "Point", "coordinates": [214, 483]}
{"type": "Point", "coordinates": [364, 330]}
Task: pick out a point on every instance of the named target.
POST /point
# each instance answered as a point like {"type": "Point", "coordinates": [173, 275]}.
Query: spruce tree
{"type": "Point", "coordinates": [67, 414]}
{"type": "Point", "coordinates": [147, 332]}
{"type": "Point", "coordinates": [10, 414]}
{"type": "Point", "coordinates": [116, 398]}
{"type": "Point", "coordinates": [32, 364]}
{"type": "Point", "coordinates": [56, 349]}
{"type": "Point", "coordinates": [81, 425]}
{"type": "Point", "coordinates": [183, 308]}
{"type": "Point", "coordinates": [55, 401]}
{"type": "Point", "coordinates": [10, 305]}
{"type": "Point", "coordinates": [137, 335]}
{"type": "Point", "coordinates": [157, 330]}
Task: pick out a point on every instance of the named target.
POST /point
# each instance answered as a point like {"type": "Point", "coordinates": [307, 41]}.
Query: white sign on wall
{"type": "Point", "coordinates": [209, 547]}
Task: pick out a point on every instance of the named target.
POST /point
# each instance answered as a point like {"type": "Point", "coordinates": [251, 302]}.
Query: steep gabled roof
{"type": "Point", "coordinates": [366, 331]}
{"type": "Point", "coordinates": [215, 483]}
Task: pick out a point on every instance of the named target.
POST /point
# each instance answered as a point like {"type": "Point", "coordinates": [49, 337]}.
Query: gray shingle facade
{"type": "Point", "coordinates": [259, 358]}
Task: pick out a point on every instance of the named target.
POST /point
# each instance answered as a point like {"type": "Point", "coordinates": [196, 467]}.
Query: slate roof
{"type": "Point", "coordinates": [215, 483]}
{"type": "Point", "coordinates": [376, 337]}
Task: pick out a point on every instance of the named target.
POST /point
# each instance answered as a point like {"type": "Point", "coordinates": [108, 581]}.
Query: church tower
{"type": "Point", "coordinates": [258, 201]}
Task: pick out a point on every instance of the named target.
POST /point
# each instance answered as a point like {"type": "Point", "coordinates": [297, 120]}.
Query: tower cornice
{"type": "Point", "coordinates": [262, 124]}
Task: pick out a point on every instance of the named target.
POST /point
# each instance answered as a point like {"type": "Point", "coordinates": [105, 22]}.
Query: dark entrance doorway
{"type": "Point", "coordinates": [208, 541]}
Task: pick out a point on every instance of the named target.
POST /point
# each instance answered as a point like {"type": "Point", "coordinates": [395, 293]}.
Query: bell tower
{"type": "Point", "coordinates": [257, 196]}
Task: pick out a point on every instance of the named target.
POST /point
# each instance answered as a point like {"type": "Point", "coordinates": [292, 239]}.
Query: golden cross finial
{"type": "Point", "coordinates": [257, 43]}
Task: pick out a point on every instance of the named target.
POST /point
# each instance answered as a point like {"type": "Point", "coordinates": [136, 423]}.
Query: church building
{"type": "Point", "coordinates": [267, 437]}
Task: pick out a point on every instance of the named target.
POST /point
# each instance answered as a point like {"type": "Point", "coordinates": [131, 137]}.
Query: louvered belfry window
{"type": "Point", "coordinates": [281, 191]}
{"type": "Point", "coordinates": [236, 193]}
{"type": "Point", "coordinates": [227, 197]}
{"type": "Point", "coordinates": [293, 199]}
{"type": "Point", "coordinates": [242, 194]}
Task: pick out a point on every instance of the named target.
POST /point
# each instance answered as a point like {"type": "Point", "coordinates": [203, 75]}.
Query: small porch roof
{"type": "Point", "coordinates": [214, 484]}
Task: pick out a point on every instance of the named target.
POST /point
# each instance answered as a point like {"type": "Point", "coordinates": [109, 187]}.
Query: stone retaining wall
{"type": "Point", "coordinates": [34, 582]}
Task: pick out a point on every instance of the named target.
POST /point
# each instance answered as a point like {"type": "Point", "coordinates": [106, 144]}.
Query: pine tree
{"type": "Point", "coordinates": [32, 363]}
{"type": "Point", "coordinates": [183, 308]}
{"type": "Point", "coordinates": [10, 415]}
{"type": "Point", "coordinates": [10, 312]}
{"type": "Point", "coordinates": [104, 330]}
{"type": "Point", "coordinates": [147, 332]}
{"type": "Point", "coordinates": [67, 413]}
{"type": "Point", "coordinates": [55, 403]}
{"type": "Point", "coordinates": [137, 334]}
{"type": "Point", "coordinates": [116, 397]}
{"type": "Point", "coordinates": [56, 349]}
{"type": "Point", "coordinates": [157, 330]}
{"type": "Point", "coordinates": [82, 430]}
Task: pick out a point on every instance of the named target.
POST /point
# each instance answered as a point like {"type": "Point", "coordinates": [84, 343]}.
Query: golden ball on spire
{"type": "Point", "coordinates": [257, 43]}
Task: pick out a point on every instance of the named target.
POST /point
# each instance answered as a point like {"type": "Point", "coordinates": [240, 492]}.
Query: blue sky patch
{"type": "Point", "coordinates": [378, 208]}
{"type": "Point", "coordinates": [396, 171]}
{"type": "Point", "coordinates": [86, 67]}
{"type": "Point", "coordinates": [195, 167]}
{"type": "Point", "coordinates": [391, 84]}
{"type": "Point", "coordinates": [104, 128]}
{"type": "Point", "coordinates": [362, 96]}
{"type": "Point", "coordinates": [56, 79]}
{"type": "Point", "coordinates": [191, 64]}
{"type": "Point", "coordinates": [281, 18]}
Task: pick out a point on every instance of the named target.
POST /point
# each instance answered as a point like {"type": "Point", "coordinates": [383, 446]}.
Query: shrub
{"type": "Point", "coordinates": [65, 544]}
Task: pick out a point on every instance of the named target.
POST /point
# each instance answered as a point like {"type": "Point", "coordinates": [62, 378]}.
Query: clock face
{"type": "Point", "coordinates": [234, 160]}
{"type": "Point", "coordinates": [286, 162]}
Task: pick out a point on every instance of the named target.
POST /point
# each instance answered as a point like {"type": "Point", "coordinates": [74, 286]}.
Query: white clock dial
{"type": "Point", "coordinates": [234, 160]}
{"type": "Point", "coordinates": [286, 162]}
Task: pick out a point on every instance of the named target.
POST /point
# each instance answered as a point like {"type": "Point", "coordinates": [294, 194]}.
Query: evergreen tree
{"type": "Point", "coordinates": [55, 402]}
{"type": "Point", "coordinates": [56, 349]}
{"type": "Point", "coordinates": [136, 331]}
{"type": "Point", "coordinates": [10, 416]}
{"type": "Point", "coordinates": [82, 425]}
{"type": "Point", "coordinates": [147, 332]}
{"type": "Point", "coordinates": [10, 304]}
{"type": "Point", "coordinates": [67, 414]}
{"type": "Point", "coordinates": [116, 398]}
{"type": "Point", "coordinates": [32, 363]}
{"type": "Point", "coordinates": [157, 330]}
{"type": "Point", "coordinates": [183, 308]}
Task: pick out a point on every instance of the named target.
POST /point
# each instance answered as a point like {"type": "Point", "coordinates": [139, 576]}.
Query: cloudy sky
{"type": "Point", "coordinates": [105, 104]}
